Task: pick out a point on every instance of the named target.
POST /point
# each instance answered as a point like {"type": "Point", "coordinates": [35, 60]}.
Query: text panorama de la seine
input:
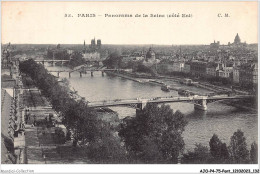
{"type": "Point", "coordinates": [171, 15]}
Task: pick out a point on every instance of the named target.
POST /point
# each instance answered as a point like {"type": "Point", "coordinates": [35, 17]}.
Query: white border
{"type": "Point", "coordinates": [128, 168]}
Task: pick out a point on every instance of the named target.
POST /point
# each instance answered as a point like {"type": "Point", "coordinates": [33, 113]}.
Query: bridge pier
{"type": "Point", "coordinates": [140, 106]}
{"type": "Point", "coordinates": [91, 73]}
{"type": "Point", "coordinates": [139, 109]}
{"type": "Point", "coordinates": [201, 105]}
{"type": "Point", "coordinates": [102, 73]}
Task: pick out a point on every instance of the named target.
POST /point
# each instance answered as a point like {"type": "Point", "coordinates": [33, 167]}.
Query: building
{"type": "Point", "coordinates": [186, 68]}
{"type": "Point", "coordinates": [236, 75]}
{"type": "Point", "coordinates": [211, 69]}
{"type": "Point", "coordinates": [92, 56]}
{"type": "Point", "coordinates": [248, 74]}
{"type": "Point", "coordinates": [7, 127]}
{"type": "Point", "coordinates": [150, 58]}
{"type": "Point", "coordinates": [198, 68]}
{"type": "Point", "coordinates": [93, 45]}
{"type": "Point", "coordinates": [237, 40]}
{"type": "Point", "coordinates": [170, 66]}
{"type": "Point", "coordinates": [178, 66]}
{"type": "Point", "coordinates": [70, 51]}
{"type": "Point", "coordinates": [225, 71]}
{"type": "Point", "coordinates": [98, 44]}
{"type": "Point", "coordinates": [5, 58]}
{"type": "Point", "coordinates": [215, 45]}
{"type": "Point", "coordinates": [165, 67]}
{"type": "Point", "coordinates": [150, 55]}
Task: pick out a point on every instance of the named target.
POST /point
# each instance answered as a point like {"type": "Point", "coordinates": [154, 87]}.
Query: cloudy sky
{"type": "Point", "coordinates": [45, 22]}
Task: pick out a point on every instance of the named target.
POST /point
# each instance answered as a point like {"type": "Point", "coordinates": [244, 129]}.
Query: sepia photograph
{"type": "Point", "coordinates": [120, 82]}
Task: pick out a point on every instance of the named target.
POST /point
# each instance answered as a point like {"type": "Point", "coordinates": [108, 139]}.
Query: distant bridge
{"type": "Point", "coordinates": [84, 69]}
{"type": "Point", "coordinates": [200, 102]}
{"type": "Point", "coordinates": [96, 69]}
{"type": "Point", "coordinates": [51, 61]}
{"type": "Point", "coordinates": [62, 61]}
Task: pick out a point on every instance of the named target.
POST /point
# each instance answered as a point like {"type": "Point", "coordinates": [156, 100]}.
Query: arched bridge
{"type": "Point", "coordinates": [200, 102]}
{"type": "Point", "coordinates": [84, 69]}
{"type": "Point", "coordinates": [51, 61]}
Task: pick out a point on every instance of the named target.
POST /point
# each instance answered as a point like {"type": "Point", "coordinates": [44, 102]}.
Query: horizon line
{"type": "Point", "coordinates": [111, 44]}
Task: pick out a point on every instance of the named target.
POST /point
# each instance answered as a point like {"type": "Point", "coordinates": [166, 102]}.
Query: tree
{"type": "Point", "coordinates": [76, 59]}
{"type": "Point", "coordinates": [200, 155]}
{"type": "Point", "coordinates": [107, 148]}
{"type": "Point", "coordinates": [157, 126]}
{"type": "Point", "coordinates": [224, 154]}
{"type": "Point", "coordinates": [215, 146]}
{"type": "Point", "coordinates": [238, 148]}
{"type": "Point", "coordinates": [113, 60]}
{"type": "Point", "coordinates": [79, 119]}
{"type": "Point", "coordinates": [254, 153]}
{"type": "Point", "coordinates": [218, 150]}
{"type": "Point", "coordinates": [150, 153]}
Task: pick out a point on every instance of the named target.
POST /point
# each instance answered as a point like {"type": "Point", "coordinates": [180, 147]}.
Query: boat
{"type": "Point", "coordinates": [182, 92]}
{"type": "Point", "coordinates": [58, 64]}
{"type": "Point", "coordinates": [186, 82]}
{"type": "Point", "coordinates": [200, 107]}
{"type": "Point", "coordinates": [165, 88]}
{"type": "Point", "coordinates": [154, 81]}
{"type": "Point", "coordinates": [185, 92]}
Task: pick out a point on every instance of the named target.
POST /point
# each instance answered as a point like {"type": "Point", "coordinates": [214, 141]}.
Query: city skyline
{"type": "Point", "coordinates": [23, 24]}
{"type": "Point", "coordinates": [147, 44]}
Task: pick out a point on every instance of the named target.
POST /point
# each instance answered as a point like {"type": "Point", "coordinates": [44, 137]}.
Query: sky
{"type": "Point", "coordinates": [45, 22]}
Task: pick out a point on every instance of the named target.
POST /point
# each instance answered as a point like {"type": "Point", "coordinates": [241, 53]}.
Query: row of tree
{"type": "Point", "coordinates": [74, 112]}
{"type": "Point", "coordinates": [219, 153]}
{"type": "Point", "coordinates": [58, 54]}
{"type": "Point", "coordinates": [77, 117]}
{"type": "Point", "coordinates": [76, 59]}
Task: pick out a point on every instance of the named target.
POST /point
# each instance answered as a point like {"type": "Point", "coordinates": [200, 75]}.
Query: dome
{"type": "Point", "coordinates": [237, 39]}
{"type": "Point", "coordinates": [150, 53]}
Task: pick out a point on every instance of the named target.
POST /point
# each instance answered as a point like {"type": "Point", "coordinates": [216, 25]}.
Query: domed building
{"type": "Point", "coordinates": [150, 58]}
{"type": "Point", "coordinates": [150, 55]}
{"type": "Point", "coordinates": [237, 40]}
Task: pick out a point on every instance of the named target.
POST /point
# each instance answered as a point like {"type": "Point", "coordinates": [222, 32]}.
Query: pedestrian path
{"type": "Point", "coordinates": [34, 151]}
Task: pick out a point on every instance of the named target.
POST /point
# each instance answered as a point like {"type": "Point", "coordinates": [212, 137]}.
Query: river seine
{"type": "Point", "coordinates": [220, 118]}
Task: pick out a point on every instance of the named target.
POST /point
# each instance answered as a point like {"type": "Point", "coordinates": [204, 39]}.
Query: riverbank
{"type": "Point", "coordinates": [251, 108]}
{"type": "Point", "coordinates": [218, 116]}
{"type": "Point", "coordinates": [126, 77]}
{"type": "Point", "coordinates": [160, 81]}
{"type": "Point", "coordinates": [48, 138]}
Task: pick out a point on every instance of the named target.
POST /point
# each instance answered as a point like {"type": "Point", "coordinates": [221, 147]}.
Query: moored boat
{"type": "Point", "coordinates": [165, 88]}
{"type": "Point", "coordinates": [185, 92]}
{"type": "Point", "coordinates": [187, 82]}
{"type": "Point", "coordinates": [200, 107]}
